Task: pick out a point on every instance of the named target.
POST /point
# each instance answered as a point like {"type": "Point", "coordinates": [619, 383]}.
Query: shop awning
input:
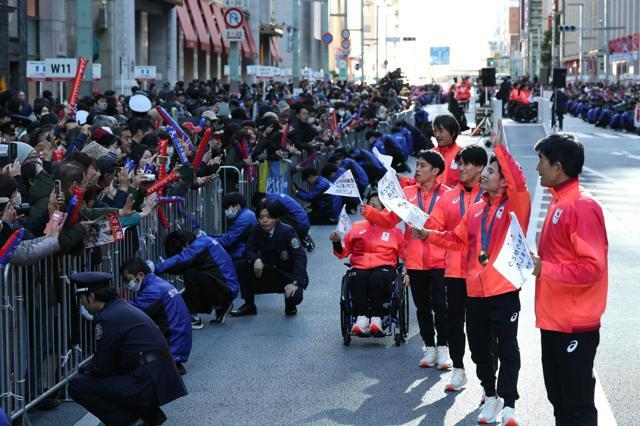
{"type": "Point", "coordinates": [190, 39]}
{"type": "Point", "coordinates": [193, 6]}
{"type": "Point", "coordinates": [248, 35]}
{"type": "Point", "coordinates": [275, 49]}
{"type": "Point", "coordinates": [209, 19]}
{"type": "Point", "coordinates": [219, 18]}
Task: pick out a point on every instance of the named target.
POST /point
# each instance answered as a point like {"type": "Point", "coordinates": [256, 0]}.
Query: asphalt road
{"type": "Point", "coordinates": [272, 369]}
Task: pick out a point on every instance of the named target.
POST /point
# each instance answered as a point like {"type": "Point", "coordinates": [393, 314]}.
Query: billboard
{"type": "Point", "coordinates": [439, 55]}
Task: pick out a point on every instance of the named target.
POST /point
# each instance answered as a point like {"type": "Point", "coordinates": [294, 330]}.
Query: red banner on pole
{"type": "Point", "coordinates": [77, 81]}
{"type": "Point", "coordinates": [201, 149]}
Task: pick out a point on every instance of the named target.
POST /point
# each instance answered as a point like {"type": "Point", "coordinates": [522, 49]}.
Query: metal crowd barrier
{"type": "Point", "coordinates": [43, 337]}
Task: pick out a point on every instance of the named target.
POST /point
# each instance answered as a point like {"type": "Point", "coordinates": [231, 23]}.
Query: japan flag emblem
{"type": "Point", "coordinates": [556, 216]}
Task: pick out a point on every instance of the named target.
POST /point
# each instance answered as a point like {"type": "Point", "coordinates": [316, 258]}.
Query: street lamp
{"type": "Point", "coordinates": [580, 58]}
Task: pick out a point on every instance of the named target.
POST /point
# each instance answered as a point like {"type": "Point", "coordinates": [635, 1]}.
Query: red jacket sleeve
{"type": "Point", "coordinates": [456, 240]}
{"type": "Point", "coordinates": [519, 198]}
{"type": "Point", "coordinates": [346, 248]}
{"type": "Point", "coordinates": [588, 237]}
{"type": "Point", "coordinates": [381, 218]}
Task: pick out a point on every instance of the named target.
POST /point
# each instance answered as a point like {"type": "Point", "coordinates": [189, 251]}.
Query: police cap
{"type": "Point", "coordinates": [87, 282]}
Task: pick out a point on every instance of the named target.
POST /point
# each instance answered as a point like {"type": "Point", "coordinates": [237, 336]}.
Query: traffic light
{"type": "Point", "coordinates": [408, 39]}
{"type": "Point", "coordinates": [357, 67]}
{"type": "Point", "coordinates": [567, 28]}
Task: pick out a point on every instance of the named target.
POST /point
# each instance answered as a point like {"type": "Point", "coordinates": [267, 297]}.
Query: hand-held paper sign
{"type": "Point", "coordinates": [344, 223]}
{"type": "Point", "coordinates": [345, 186]}
{"type": "Point", "coordinates": [389, 188]}
{"type": "Point", "coordinates": [386, 160]}
{"type": "Point", "coordinates": [409, 213]}
{"type": "Point", "coordinates": [514, 260]}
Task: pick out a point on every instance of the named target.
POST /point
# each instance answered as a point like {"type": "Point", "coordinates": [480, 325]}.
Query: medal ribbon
{"type": "Point", "coordinates": [462, 207]}
{"type": "Point", "coordinates": [433, 199]}
{"type": "Point", "coordinates": [486, 235]}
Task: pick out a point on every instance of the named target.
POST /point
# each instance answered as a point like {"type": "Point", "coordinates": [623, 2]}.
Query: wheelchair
{"type": "Point", "coordinates": [394, 323]}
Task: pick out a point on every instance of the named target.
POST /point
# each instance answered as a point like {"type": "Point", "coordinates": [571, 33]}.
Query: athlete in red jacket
{"type": "Point", "coordinates": [424, 262]}
{"type": "Point", "coordinates": [493, 303]}
{"type": "Point", "coordinates": [374, 252]}
{"type": "Point", "coordinates": [446, 130]}
{"type": "Point", "coordinates": [571, 285]}
{"type": "Point", "coordinates": [446, 215]}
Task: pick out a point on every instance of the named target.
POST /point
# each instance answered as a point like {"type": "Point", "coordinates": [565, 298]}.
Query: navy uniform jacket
{"type": "Point", "coordinates": [235, 239]}
{"type": "Point", "coordinates": [321, 201]}
{"type": "Point", "coordinates": [122, 333]}
{"type": "Point", "coordinates": [165, 306]}
{"type": "Point", "coordinates": [218, 261]}
{"type": "Point", "coordinates": [292, 209]}
{"type": "Point", "coordinates": [282, 251]}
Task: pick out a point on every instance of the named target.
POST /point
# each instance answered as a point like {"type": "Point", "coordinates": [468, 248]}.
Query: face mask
{"type": "Point", "coordinates": [230, 214]}
{"type": "Point", "coordinates": [134, 286]}
{"type": "Point", "coordinates": [341, 112]}
{"type": "Point", "coordinates": [169, 151]}
{"type": "Point", "coordinates": [311, 120]}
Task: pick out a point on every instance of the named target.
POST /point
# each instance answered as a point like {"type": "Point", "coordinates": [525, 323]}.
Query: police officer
{"type": "Point", "coordinates": [276, 262]}
{"type": "Point", "coordinates": [132, 372]}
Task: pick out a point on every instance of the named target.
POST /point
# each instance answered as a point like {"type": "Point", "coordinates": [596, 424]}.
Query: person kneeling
{"type": "Point", "coordinates": [164, 305]}
{"type": "Point", "coordinates": [275, 262]}
{"type": "Point", "coordinates": [210, 278]}
{"type": "Point", "coordinates": [374, 252]}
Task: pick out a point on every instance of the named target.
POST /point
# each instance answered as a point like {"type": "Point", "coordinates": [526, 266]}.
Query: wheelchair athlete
{"type": "Point", "coordinates": [374, 252]}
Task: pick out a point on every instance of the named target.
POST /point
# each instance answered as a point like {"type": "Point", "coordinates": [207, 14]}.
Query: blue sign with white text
{"type": "Point", "coordinates": [439, 55]}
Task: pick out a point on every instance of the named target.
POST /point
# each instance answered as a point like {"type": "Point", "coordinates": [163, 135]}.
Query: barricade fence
{"type": "Point", "coordinates": [44, 338]}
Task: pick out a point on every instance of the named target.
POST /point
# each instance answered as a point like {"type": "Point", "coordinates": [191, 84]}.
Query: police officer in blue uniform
{"type": "Point", "coordinates": [275, 262]}
{"type": "Point", "coordinates": [132, 372]}
{"type": "Point", "coordinates": [164, 305]}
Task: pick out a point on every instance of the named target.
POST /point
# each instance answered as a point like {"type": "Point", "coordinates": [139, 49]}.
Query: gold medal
{"type": "Point", "coordinates": [483, 258]}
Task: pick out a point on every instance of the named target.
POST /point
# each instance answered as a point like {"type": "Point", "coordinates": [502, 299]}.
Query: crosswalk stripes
{"type": "Point", "coordinates": [605, 135]}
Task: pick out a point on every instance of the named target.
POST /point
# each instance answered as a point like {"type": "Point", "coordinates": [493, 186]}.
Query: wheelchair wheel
{"type": "Point", "coordinates": [345, 312]}
{"type": "Point", "coordinates": [403, 317]}
{"type": "Point", "coordinates": [345, 321]}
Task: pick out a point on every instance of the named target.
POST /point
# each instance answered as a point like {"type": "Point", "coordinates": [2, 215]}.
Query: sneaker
{"type": "Point", "coordinates": [361, 326]}
{"type": "Point", "coordinates": [376, 326]}
{"type": "Point", "coordinates": [196, 322]}
{"type": "Point", "coordinates": [429, 358]}
{"type": "Point", "coordinates": [221, 314]}
{"type": "Point", "coordinates": [444, 362]}
{"type": "Point", "coordinates": [457, 381]}
{"type": "Point", "coordinates": [490, 409]}
{"type": "Point", "coordinates": [509, 417]}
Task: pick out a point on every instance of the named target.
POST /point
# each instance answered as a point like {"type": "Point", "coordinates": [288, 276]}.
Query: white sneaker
{"type": "Point", "coordinates": [361, 326]}
{"type": "Point", "coordinates": [509, 417]}
{"type": "Point", "coordinates": [429, 358]}
{"type": "Point", "coordinates": [457, 381]}
{"type": "Point", "coordinates": [444, 362]}
{"type": "Point", "coordinates": [490, 409]}
{"type": "Point", "coordinates": [376, 325]}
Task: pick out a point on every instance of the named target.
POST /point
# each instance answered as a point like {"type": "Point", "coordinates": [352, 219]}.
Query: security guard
{"type": "Point", "coordinates": [132, 372]}
{"type": "Point", "coordinates": [276, 262]}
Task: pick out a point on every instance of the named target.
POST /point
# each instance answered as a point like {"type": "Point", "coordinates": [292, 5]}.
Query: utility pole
{"type": "Point", "coordinates": [296, 43]}
{"type": "Point", "coordinates": [377, 40]}
{"type": "Point", "coordinates": [234, 67]}
{"type": "Point", "coordinates": [553, 40]}
{"type": "Point", "coordinates": [325, 28]}
{"type": "Point", "coordinates": [84, 34]}
{"type": "Point", "coordinates": [362, 42]}
{"type": "Point", "coordinates": [605, 48]}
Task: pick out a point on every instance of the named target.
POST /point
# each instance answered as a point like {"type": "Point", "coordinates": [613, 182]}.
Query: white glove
{"type": "Point", "coordinates": [85, 314]}
{"type": "Point", "coordinates": [151, 265]}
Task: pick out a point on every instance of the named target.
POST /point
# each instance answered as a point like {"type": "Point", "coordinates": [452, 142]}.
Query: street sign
{"type": "Point", "coordinates": [233, 18]}
{"type": "Point", "coordinates": [96, 72]}
{"type": "Point", "coordinates": [61, 68]}
{"type": "Point", "coordinates": [343, 73]}
{"type": "Point", "coordinates": [233, 3]}
{"type": "Point", "coordinates": [342, 63]}
{"type": "Point", "coordinates": [144, 72]}
{"type": "Point", "coordinates": [393, 39]}
{"type": "Point", "coordinates": [236, 34]}
{"type": "Point", "coordinates": [346, 33]}
{"type": "Point", "coordinates": [439, 55]}
{"type": "Point", "coordinates": [37, 70]}
{"type": "Point", "coordinates": [327, 38]}
{"type": "Point", "coordinates": [346, 44]}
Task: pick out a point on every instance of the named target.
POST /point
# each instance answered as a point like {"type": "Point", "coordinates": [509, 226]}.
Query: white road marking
{"type": "Point", "coordinates": [605, 414]}
{"type": "Point", "coordinates": [88, 420]}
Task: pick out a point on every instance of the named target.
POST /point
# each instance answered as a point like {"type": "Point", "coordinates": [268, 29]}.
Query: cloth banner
{"type": "Point", "coordinates": [514, 260]}
{"type": "Point", "coordinates": [409, 213]}
{"type": "Point", "coordinates": [389, 188]}
{"type": "Point", "coordinates": [344, 222]}
{"type": "Point", "coordinates": [386, 160]}
{"type": "Point", "coordinates": [345, 186]}
{"type": "Point", "coordinates": [277, 177]}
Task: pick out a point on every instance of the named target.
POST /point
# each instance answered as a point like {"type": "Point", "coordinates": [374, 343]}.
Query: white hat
{"type": "Point", "coordinates": [139, 103]}
{"type": "Point", "coordinates": [209, 115]}
{"type": "Point", "coordinates": [81, 116]}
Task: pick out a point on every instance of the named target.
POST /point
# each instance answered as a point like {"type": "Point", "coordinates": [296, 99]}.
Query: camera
{"type": "Point", "coordinates": [22, 209]}
{"type": "Point", "coordinates": [8, 153]}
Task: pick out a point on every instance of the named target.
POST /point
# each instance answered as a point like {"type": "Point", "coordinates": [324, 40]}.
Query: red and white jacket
{"type": "Point", "coordinates": [371, 246]}
{"type": "Point", "coordinates": [571, 291]}
{"type": "Point", "coordinates": [486, 281]}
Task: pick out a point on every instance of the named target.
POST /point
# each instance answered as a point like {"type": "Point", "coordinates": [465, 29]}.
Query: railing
{"type": "Point", "coordinates": [43, 337]}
